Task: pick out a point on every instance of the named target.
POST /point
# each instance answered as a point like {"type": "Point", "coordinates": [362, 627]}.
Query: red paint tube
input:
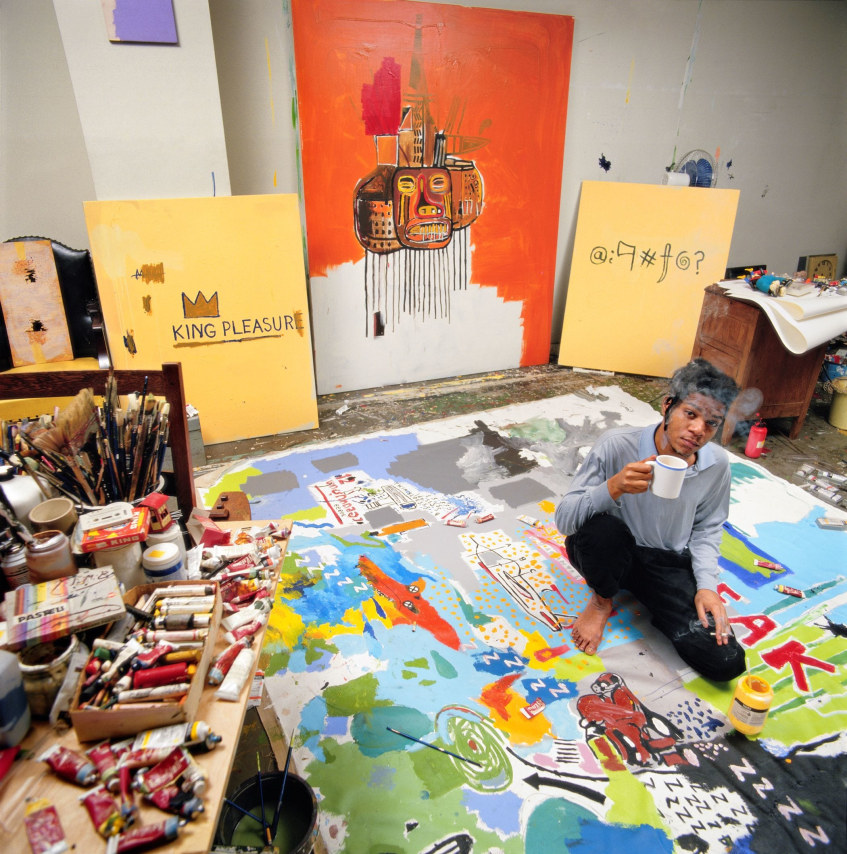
{"type": "Point", "coordinates": [247, 630]}
{"type": "Point", "coordinates": [106, 764]}
{"type": "Point", "coordinates": [70, 765]}
{"type": "Point", "coordinates": [104, 812]}
{"type": "Point", "coordinates": [145, 837]}
{"type": "Point", "coordinates": [167, 674]}
{"type": "Point", "coordinates": [144, 757]}
{"type": "Point", "coordinates": [164, 773]}
{"type": "Point", "coordinates": [174, 800]}
{"type": "Point", "coordinates": [220, 666]}
{"type": "Point", "coordinates": [43, 828]}
{"type": "Point", "coordinates": [150, 657]}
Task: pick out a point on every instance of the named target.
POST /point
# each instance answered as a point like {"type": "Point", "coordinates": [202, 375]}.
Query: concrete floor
{"type": "Point", "coordinates": [349, 414]}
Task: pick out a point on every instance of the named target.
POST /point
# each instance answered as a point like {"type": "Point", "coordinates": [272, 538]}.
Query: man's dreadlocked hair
{"type": "Point", "coordinates": [702, 377]}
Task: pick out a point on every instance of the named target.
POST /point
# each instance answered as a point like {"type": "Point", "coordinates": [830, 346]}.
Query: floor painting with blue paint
{"type": "Point", "coordinates": [426, 597]}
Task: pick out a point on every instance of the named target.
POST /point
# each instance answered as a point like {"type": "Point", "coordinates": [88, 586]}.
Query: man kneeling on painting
{"type": "Point", "coordinates": [622, 535]}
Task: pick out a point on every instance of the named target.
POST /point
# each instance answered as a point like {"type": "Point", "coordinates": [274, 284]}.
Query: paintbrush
{"type": "Point", "coordinates": [278, 810]}
{"type": "Point", "coordinates": [265, 828]}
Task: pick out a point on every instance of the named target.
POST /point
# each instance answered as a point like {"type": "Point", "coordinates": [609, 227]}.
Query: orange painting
{"type": "Point", "coordinates": [432, 145]}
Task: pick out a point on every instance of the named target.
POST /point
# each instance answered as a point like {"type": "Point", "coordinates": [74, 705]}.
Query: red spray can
{"type": "Point", "coordinates": [756, 439]}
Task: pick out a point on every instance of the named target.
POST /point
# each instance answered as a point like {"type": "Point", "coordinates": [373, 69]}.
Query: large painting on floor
{"type": "Point", "coordinates": [426, 591]}
{"type": "Point", "coordinates": [432, 146]}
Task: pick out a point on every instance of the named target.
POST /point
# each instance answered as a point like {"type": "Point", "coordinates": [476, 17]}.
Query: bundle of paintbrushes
{"type": "Point", "coordinates": [100, 454]}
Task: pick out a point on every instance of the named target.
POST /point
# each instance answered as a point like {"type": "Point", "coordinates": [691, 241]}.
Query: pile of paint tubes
{"type": "Point", "coordinates": [245, 572]}
{"type": "Point", "coordinates": [158, 654]}
{"type": "Point", "coordinates": [824, 484]}
{"type": "Point", "coordinates": [156, 766]}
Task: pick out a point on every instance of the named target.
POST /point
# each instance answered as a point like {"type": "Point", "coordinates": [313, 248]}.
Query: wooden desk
{"type": "Point", "coordinates": [31, 779]}
{"type": "Point", "coordinates": [738, 338]}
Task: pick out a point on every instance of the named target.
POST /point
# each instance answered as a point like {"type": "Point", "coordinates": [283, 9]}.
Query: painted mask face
{"type": "Point", "coordinates": [422, 207]}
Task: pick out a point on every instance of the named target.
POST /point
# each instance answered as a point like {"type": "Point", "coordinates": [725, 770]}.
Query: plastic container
{"type": "Point", "coordinates": [838, 408]}
{"type": "Point", "coordinates": [163, 563]}
{"type": "Point", "coordinates": [21, 493]}
{"type": "Point", "coordinates": [14, 566]}
{"type": "Point", "coordinates": [750, 704]}
{"type": "Point", "coordinates": [43, 668]}
{"type": "Point", "coordinates": [48, 556]}
{"type": "Point", "coordinates": [171, 534]}
{"type": "Point", "coordinates": [297, 828]}
{"type": "Point", "coordinates": [14, 706]}
{"type": "Point", "coordinates": [126, 563]}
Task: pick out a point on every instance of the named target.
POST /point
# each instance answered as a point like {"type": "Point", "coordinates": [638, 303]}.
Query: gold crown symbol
{"type": "Point", "coordinates": [200, 306]}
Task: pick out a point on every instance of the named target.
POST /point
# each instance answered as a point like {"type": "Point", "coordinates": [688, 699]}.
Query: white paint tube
{"type": "Point", "coordinates": [239, 618]}
{"type": "Point", "coordinates": [239, 673]}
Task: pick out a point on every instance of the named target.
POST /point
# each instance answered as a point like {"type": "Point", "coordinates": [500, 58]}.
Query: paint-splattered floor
{"type": "Point", "coordinates": [341, 415]}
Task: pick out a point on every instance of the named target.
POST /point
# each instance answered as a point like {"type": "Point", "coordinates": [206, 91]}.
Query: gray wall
{"type": "Point", "coordinates": [761, 82]}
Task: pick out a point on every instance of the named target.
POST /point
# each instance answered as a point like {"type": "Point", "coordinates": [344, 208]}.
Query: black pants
{"type": "Point", "coordinates": [606, 555]}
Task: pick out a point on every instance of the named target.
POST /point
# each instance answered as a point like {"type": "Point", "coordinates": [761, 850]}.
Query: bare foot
{"type": "Point", "coordinates": [587, 631]}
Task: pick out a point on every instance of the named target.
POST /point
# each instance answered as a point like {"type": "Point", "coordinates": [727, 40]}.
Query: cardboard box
{"type": "Point", "coordinates": [97, 724]}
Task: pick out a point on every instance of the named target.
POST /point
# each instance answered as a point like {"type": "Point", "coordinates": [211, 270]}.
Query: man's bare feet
{"type": "Point", "coordinates": [587, 631]}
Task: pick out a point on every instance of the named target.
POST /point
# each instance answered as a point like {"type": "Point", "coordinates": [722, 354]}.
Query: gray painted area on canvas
{"type": "Point", "coordinates": [269, 483]}
{"type": "Point", "coordinates": [336, 462]}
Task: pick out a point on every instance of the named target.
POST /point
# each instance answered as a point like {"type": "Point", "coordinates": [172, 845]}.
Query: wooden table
{"type": "Point", "coordinates": [737, 337]}
{"type": "Point", "coordinates": [31, 779]}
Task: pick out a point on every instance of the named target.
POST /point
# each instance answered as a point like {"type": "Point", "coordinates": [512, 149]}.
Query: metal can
{"type": "Point", "coordinates": [49, 556]}
{"type": "Point", "coordinates": [14, 566]}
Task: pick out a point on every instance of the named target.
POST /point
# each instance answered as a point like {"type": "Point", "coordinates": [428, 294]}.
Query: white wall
{"type": "Point", "coordinates": [150, 114]}
{"type": "Point", "coordinates": [762, 82]}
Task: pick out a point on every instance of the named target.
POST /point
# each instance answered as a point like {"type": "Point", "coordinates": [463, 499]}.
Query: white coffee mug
{"type": "Point", "coordinates": [668, 474]}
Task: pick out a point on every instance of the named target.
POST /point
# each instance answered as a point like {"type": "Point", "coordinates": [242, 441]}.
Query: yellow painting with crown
{"type": "Point", "coordinates": [218, 284]}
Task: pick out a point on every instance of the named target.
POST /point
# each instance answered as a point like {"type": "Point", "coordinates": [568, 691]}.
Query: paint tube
{"type": "Point", "coordinates": [150, 657]}
{"type": "Point", "coordinates": [178, 735]}
{"type": "Point", "coordinates": [484, 517]}
{"type": "Point", "coordinates": [70, 765]}
{"type": "Point", "coordinates": [239, 673]}
{"type": "Point", "coordinates": [144, 757]}
{"type": "Point", "coordinates": [129, 810]}
{"type": "Point", "coordinates": [183, 655]}
{"type": "Point", "coordinates": [177, 637]}
{"type": "Point", "coordinates": [43, 828]}
{"type": "Point", "coordinates": [143, 695]}
{"type": "Point", "coordinates": [121, 662]}
{"type": "Point", "coordinates": [194, 780]}
{"type": "Point", "coordinates": [239, 618]}
{"type": "Point", "coordinates": [106, 764]}
{"type": "Point", "coordinates": [104, 812]}
{"type": "Point", "coordinates": [164, 773]}
{"type": "Point", "coordinates": [179, 622]}
{"type": "Point", "coordinates": [111, 646]}
{"type": "Point", "coordinates": [145, 837]}
{"type": "Point", "coordinates": [768, 564]}
{"type": "Point", "coordinates": [221, 665]}
{"type": "Point", "coordinates": [173, 800]}
{"type": "Point", "coordinates": [247, 630]}
{"type": "Point", "coordinates": [789, 591]}
{"type": "Point", "coordinates": [179, 590]}
{"type": "Point", "coordinates": [166, 674]}
{"type": "Point", "coordinates": [191, 605]}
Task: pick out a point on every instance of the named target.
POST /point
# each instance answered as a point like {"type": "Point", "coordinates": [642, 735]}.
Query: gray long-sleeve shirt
{"type": "Point", "coordinates": [693, 521]}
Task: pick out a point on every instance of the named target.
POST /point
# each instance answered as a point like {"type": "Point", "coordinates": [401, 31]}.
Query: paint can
{"type": "Point", "coordinates": [171, 534]}
{"type": "Point", "coordinates": [43, 668]}
{"type": "Point", "coordinates": [297, 829]}
{"type": "Point", "coordinates": [48, 556]}
{"type": "Point", "coordinates": [14, 708]}
{"type": "Point", "coordinates": [125, 562]}
{"type": "Point", "coordinates": [838, 407]}
{"type": "Point", "coordinates": [163, 563]}
{"type": "Point", "coordinates": [749, 707]}
{"type": "Point", "coordinates": [14, 566]}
